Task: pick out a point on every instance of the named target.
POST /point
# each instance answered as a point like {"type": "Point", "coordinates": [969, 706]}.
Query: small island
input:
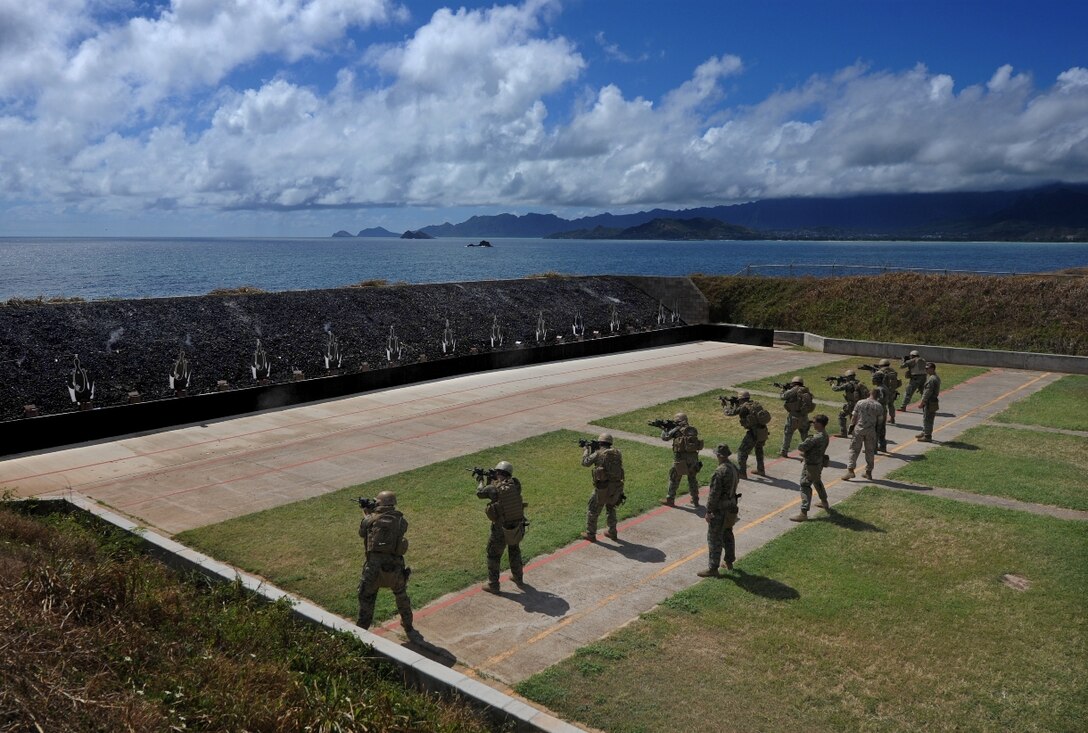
{"type": "Point", "coordinates": [416, 235]}
{"type": "Point", "coordinates": [482, 243]}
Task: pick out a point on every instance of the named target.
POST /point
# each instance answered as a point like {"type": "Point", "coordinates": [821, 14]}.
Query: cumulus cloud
{"type": "Point", "coordinates": [465, 112]}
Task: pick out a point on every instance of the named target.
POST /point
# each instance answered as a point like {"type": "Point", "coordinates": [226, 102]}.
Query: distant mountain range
{"type": "Point", "coordinates": [1058, 212]}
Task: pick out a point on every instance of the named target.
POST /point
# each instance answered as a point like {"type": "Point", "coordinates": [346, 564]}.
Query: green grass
{"type": "Point", "coordinates": [1026, 465]}
{"type": "Point", "coordinates": [894, 619]}
{"type": "Point", "coordinates": [1062, 404]}
{"type": "Point", "coordinates": [99, 637]}
{"type": "Point", "coordinates": [312, 547]}
{"type": "Point", "coordinates": [704, 412]}
{"type": "Point", "coordinates": [951, 375]}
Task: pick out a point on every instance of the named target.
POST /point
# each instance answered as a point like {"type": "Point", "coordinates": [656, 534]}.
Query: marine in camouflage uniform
{"type": "Point", "coordinates": [880, 394]}
{"type": "Point", "coordinates": [813, 451]}
{"type": "Point", "coordinates": [607, 465]}
{"type": "Point", "coordinates": [852, 391]}
{"type": "Point", "coordinates": [891, 380]}
{"type": "Point", "coordinates": [930, 403]}
{"type": "Point", "coordinates": [506, 510]}
{"type": "Point", "coordinates": [685, 459]}
{"type": "Point", "coordinates": [915, 367]}
{"type": "Point", "coordinates": [796, 417]}
{"type": "Point", "coordinates": [755, 436]}
{"type": "Point", "coordinates": [868, 413]}
{"type": "Point", "coordinates": [721, 514]}
{"type": "Point", "coordinates": [384, 566]}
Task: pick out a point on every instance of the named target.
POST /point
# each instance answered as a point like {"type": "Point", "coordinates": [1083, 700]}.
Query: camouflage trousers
{"type": "Point", "coordinates": [383, 571]}
{"type": "Point", "coordinates": [496, 543]}
{"type": "Point", "coordinates": [748, 444]}
{"type": "Point", "coordinates": [719, 536]}
{"type": "Point", "coordinates": [685, 464]}
{"type": "Point", "coordinates": [844, 417]}
{"type": "Point", "coordinates": [593, 511]}
{"type": "Point", "coordinates": [889, 407]}
{"type": "Point", "coordinates": [916, 384]}
{"type": "Point", "coordinates": [793, 422]}
{"type": "Point", "coordinates": [882, 436]}
{"type": "Point", "coordinates": [928, 413]}
{"type": "Point", "coordinates": [863, 439]}
{"type": "Point", "coordinates": [811, 476]}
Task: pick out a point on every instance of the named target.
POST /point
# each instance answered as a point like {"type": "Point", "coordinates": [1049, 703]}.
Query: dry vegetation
{"type": "Point", "coordinates": [96, 637]}
{"type": "Point", "coordinates": [1023, 313]}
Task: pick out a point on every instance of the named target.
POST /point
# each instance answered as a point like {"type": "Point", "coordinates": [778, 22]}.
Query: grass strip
{"type": "Point", "coordinates": [97, 636]}
{"type": "Point", "coordinates": [1060, 404]}
{"type": "Point", "coordinates": [1026, 465]}
{"type": "Point", "coordinates": [312, 547]}
{"type": "Point", "coordinates": [893, 617]}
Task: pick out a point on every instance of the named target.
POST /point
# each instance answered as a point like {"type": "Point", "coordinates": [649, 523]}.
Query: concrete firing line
{"type": "Point", "coordinates": [494, 660]}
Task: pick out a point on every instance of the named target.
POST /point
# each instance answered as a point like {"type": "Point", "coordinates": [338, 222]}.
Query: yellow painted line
{"type": "Point", "coordinates": [499, 658]}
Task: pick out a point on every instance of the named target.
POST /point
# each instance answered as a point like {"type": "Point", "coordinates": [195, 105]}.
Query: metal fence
{"type": "Point", "coordinates": [796, 269]}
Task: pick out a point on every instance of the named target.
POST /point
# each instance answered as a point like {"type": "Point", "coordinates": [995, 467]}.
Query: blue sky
{"type": "Point", "coordinates": [301, 117]}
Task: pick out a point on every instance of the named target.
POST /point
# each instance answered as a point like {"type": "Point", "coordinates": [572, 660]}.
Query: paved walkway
{"type": "Point", "coordinates": [201, 474]}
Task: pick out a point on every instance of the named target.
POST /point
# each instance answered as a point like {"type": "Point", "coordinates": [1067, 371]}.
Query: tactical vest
{"type": "Point", "coordinates": [385, 534]}
{"type": "Point", "coordinates": [755, 416]}
{"type": "Point", "coordinates": [507, 507]}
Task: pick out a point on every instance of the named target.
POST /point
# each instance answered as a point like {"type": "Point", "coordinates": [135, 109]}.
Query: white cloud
{"type": "Point", "coordinates": [463, 115]}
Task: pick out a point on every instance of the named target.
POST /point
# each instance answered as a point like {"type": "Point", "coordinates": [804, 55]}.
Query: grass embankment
{"type": "Point", "coordinates": [902, 625]}
{"type": "Point", "coordinates": [312, 547]}
{"type": "Point", "coordinates": [1023, 464]}
{"type": "Point", "coordinates": [98, 637]}
{"type": "Point", "coordinates": [1059, 405]}
{"type": "Point", "coordinates": [1023, 313]}
{"type": "Point", "coordinates": [705, 412]}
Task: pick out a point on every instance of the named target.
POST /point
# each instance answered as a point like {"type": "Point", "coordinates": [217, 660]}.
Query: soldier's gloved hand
{"type": "Point", "coordinates": [709, 516]}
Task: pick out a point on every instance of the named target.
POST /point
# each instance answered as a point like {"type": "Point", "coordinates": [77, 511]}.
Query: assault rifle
{"type": "Point", "coordinates": [481, 473]}
{"type": "Point", "coordinates": [593, 445]}
{"type": "Point", "coordinates": [367, 505]}
{"type": "Point", "coordinates": [780, 385]}
{"type": "Point", "coordinates": [836, 380]}
{"type": "Point", "coordinates": [663, 424]}
{"type": "Point", "coordinates": [869, 367]}
{"type": "Point", "coordinates": [731, 401]}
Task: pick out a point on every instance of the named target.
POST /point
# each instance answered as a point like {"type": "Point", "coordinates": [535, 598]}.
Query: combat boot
{"type": "Point", "coordinates": [668, 501]}
{"type": "Point", "coordinates": [695, 501]}
{"type": "Point", "coordinates": [519, 580]}
{"type": "Point", "coordinates": [799, 517]}
{"type": "Point", "coordinates": [591, 536]}
{"type": "Point", "coordinates": [784, 454]}
{"type": "Point", "coordinates": [842, 434]}
{"type": "Point", "coordinates": [760, 472]}
{"type": "Point", "coordinates": [728, 565]}
{"type": "Point", "coordinates": [824, 505]}
{"type": "Point", "coordinates": [612, 534]}
{"type": "Point", "coordinates": [848, 475]}
{"type": "Point", "coordinates": [925, 439]}
{"type": "Point", "coordinates": [867, 475]}
{"type": "Point", "coordinates": [709, 573]}
{"type": "Point", "coordinates": [743, 473]}
{"type": "Point", "coordinates": [491, 588]}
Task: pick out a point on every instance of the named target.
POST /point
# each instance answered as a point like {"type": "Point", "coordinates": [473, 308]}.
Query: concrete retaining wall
{"type": "Point", "coordinates": [417, 671]}
{"type": "Point", "coordinates": [678, 292]}
{"type": "Point", "coordinates": [940, 354]}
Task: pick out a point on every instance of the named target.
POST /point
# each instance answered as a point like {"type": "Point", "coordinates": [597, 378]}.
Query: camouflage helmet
{"type": "Point", "coordinates": [386, 498]}
{"type": "Point", "coordinates": [914, 352]}
{"type": "Point", "coordinates": [849, 373]}
{"type": "Point", "coordinates": [797, 380]}
{"type": "Point", "coordinates": [681, 417]}
{"type": "Point", "coordinates": [884, 362]}
{"type": "Point", "coordinates": [605, 438]}
{"type": "Point", "coordinates": [505, 467]}
{"type": "Point", "coordinates": [878, 378]}
{"type": "Point", "coordinates": [744, 396]}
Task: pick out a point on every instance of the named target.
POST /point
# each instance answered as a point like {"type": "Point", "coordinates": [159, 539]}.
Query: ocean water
{"type": "Point", "coordinates": [138, 268]}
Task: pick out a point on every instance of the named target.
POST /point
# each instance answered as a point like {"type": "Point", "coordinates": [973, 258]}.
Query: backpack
{"type": "Point", "coordinates": [611, 469]}
{"type": "Point", "coordinates": [386, 534]}
{"type": "Point", "coordinates": [692, 441]}
{"type": "Point", "coordinates": [805, 403]}
{"type": "Point", "coordinates": [760, 413]}
{"type": "Point", "coordinates": [891, 379]}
